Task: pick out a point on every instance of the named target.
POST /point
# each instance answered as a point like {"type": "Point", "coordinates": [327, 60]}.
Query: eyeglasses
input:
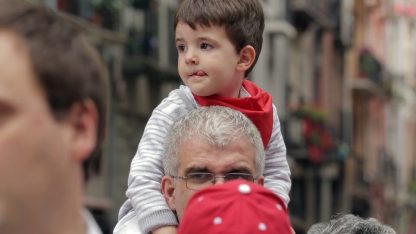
{"type": "Point", "coordinates": [201, 180]}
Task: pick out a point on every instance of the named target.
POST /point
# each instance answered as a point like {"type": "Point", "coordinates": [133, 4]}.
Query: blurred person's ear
{"type": "Point", "coordinates": [167, 189]}
{"type": "Point", "coordinates": [83, 120]}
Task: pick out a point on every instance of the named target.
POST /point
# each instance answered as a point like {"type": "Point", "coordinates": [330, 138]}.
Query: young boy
{"type": "Point", "coordinates": [218, 43]}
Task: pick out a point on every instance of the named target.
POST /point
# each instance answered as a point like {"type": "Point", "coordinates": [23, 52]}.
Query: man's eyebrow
{"type": "Point", "coordinates": [241, 169]}
{"type": "Point", "coordinates": [196, 169]}
{"type": "Point", "coordinates": [178, 39]}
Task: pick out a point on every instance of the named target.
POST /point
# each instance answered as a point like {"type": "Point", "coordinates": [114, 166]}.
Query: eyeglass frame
{"type": "Point", "coordinates": [214, 178]}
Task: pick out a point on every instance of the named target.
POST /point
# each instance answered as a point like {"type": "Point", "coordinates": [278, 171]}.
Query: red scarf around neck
{"type": "Point", "coordinates": [258, 107]}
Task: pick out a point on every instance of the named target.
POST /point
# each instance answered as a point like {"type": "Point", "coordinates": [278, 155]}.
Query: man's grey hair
{"type": "Point", "coordinates": [351, 224]}
{"type": "Point", "coordinates": [219, 126]}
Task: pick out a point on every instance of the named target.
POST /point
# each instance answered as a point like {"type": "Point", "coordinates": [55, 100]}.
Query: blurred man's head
{"type": "Point", "coordinates": [65, 65]}
{"type": "Point", "coordinates": [350, 224]}
{"type": "Point", "coordinates": [206, 143]}
{"type": "Point", "coordinates": [53, 104]}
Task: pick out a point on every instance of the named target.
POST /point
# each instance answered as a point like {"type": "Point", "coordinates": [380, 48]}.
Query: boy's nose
{"type": "Point", "coordinates": [191, 58]}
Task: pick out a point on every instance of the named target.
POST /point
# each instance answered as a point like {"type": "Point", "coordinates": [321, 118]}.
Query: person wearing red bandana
{"type": "Point", "coordinates": [218, 44]}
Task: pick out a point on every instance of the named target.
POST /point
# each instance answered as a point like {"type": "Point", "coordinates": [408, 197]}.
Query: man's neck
{"type": "Point", "coordinates": [47, 226]}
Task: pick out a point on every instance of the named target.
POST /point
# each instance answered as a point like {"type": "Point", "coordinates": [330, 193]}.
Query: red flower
{"type": "Point", "coordinates": [315, 154]}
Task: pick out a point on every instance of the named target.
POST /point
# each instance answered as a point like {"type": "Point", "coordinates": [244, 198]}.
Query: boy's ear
{"type": "Point", "coordinates": [247, 57]}
{"type": "Point", "coordinates": [168, 191]}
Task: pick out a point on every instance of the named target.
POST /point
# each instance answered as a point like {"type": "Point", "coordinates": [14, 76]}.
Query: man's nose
{"type": "Point", "coordinates": [219, 180]}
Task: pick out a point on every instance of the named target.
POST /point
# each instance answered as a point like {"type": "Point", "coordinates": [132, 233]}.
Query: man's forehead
{"type": "Point", "coordinates": [17, 72]}
{"type": "Point", "coordinates": [200, 154]}
{"type": "Point", "coordinates": [12, 50]}
{"type": "Point", "coordinates": [12, 40]}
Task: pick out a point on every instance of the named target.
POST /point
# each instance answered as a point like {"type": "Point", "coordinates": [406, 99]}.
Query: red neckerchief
{"type": "Point", "coordinates": [258, 107]}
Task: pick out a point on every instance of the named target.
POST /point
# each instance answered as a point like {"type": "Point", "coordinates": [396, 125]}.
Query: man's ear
{"type": "Point", "coordinates": [247, 57]}
{"type": "Point", "coordinates": [83, 120]}
{"type": "Point", "coordinates": [260, 180]}
{"type": "Point", "coordinates": [168, 189]}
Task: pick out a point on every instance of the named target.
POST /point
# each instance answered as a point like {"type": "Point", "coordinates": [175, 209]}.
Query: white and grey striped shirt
{"type": "Point", "coordinates": [146, 172]}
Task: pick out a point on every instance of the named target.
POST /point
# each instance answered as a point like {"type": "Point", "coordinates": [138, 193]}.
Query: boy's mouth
{"type": "Point", "coordinates": [198, 73]}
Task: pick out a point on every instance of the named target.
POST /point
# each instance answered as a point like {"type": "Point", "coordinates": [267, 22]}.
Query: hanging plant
{"type": "Point", "coordinates": [315, 133]}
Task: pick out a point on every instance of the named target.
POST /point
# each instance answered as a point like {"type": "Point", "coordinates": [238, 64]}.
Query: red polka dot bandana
{"type": "Point", "coordinates": [236, 207]}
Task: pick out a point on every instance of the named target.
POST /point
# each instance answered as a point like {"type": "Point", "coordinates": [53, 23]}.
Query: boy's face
{"type": "Point", "coordinates": [208, 61]}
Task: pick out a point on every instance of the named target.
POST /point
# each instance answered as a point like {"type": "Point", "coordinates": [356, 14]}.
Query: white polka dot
{"type": "Point", "coordinates": [217, 220]}
{"type": "Point", "coordinates": [279, 207]}
{"type": "Point", "coordinates": [244, 189]}
{"type": "Point", "coordinates": [200, 199]}
{"type": "Point", "coordinates": [262, 227]}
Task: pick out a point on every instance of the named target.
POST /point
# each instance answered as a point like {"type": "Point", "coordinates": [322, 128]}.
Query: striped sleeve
{"type": "Point", "coordinates": [277, 171]}
{"type": "Point", "coordinates": [146, 169]}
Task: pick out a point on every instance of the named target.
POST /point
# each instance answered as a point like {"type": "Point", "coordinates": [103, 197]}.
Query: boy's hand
{"type": "Point", "coordinates": [165, 230]}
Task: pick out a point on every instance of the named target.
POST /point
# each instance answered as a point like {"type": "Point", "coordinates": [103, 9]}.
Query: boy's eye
{"type": "Point", "coordinates": [205, 46]}
{"type": "Point", "coordinates": [180, 48]}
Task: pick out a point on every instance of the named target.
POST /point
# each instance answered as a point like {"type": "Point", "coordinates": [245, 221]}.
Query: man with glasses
{"type": "Point", "coordinates": [207, 146]}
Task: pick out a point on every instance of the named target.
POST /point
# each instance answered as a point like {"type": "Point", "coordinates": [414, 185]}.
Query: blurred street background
{"type": "Point", "coordinates": [343, 77]}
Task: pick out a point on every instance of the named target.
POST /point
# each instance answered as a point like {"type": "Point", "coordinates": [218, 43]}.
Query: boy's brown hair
{"type": "Point", "coordinates": [68, 69]}
{"type": "Point", "coordinates": [243, 20]}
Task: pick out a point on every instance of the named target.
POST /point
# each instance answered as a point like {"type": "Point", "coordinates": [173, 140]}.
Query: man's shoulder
{"type": "Point", "coordinates": [91, 224]}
